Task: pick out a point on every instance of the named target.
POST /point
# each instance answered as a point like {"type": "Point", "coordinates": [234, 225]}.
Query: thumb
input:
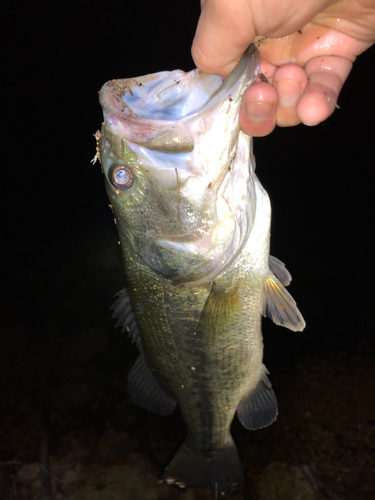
{"type": "Point", "coordinates": [225, 29]}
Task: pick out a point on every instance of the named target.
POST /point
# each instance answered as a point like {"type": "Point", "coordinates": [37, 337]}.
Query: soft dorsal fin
{"type": "Point", "coordinates": [123, 312]}
{"type": "Point", "coordinates": [280, 306]}
{"type": "Point", "coordinates": [145, 391]}
{"type": "Point", "coordinates": [259, 408]}
{"type": "Point", "coordinates": [280, 271]}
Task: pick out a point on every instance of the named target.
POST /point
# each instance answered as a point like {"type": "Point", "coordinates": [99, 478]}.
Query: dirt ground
{"type": "Point", "coordinates": [70, 432]}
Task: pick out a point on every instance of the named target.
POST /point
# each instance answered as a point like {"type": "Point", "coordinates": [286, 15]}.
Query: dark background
{"type": "Point", "coordinates": [60, 261]}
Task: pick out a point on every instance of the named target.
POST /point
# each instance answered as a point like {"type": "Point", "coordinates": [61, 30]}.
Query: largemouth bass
{"type": "Point", "coordinates": [194, 227]}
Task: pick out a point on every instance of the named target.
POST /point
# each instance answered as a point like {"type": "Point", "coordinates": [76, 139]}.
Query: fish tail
{"type": "Point", "coordinates": [219, 469]}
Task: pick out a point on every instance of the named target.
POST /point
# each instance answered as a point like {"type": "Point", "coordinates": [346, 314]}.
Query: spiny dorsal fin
{"type": "Point", "coordinates": [259, 408]}
{"type": "Point", "coordinates": [145, 391]}
{"type": "Point", "coordinates": [280, 271]}
{"type": "Point", "coordinates": [280, 306]}
{"type": "Point", "coordinates": [123, 312]}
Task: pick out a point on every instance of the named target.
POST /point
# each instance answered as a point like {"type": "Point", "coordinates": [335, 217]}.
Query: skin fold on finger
{"type": "Point", "coordinates": [258, 108]}
{"type": "Point", "coordinates": [290, 80]}
{"type": "Point", "coordinates": [326, 77]}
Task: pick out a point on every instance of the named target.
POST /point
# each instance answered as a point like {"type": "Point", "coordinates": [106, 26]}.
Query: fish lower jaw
{"type": "Point", "coordinates": [201, 259]}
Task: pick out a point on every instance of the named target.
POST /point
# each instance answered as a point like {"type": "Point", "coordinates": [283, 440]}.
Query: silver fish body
{"type": "Point", "coordinates": [194, 226]}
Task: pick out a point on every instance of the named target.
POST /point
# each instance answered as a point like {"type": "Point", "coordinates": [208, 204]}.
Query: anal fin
{"type": "Point", "coordinates": [259, 408]}
{"type": "Point", "coordinates": [145, 391]}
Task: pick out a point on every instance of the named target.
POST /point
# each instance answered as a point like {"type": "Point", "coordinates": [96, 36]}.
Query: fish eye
{"type": "Point", "coordinates": [121, 177]}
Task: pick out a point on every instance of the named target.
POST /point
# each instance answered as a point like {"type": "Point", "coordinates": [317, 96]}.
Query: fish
{"type": "Point", "coordinates": [194, 228]}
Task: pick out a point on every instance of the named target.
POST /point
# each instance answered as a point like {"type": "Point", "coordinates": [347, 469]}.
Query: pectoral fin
{"type": "Point", "coordinates": [280, 306]}
{"type": "Point", "coordinates": [145, 391]}
{"type": "Point", "coordinates": [259, 408]}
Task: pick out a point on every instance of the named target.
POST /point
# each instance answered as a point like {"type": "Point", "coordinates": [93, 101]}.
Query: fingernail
{"type": "Point", "coordinates": [259, 111]}
{"type": "Point", "coordinates": [289, 92]}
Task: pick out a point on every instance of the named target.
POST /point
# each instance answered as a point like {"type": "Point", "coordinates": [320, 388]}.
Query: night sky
{"type": "Point", "coordinates": [54, 207]}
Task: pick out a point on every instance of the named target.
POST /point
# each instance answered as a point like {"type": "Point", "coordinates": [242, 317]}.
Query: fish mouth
{"type": "Point", "coordinates": [159, 110]}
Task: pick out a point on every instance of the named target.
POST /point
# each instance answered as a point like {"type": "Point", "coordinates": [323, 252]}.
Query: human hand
{"type": "Point", "coordinates": [306, 57]}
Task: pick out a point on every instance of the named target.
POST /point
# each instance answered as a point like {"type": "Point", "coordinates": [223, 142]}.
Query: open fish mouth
{"type": "Point", "coordinates": [160, 110]}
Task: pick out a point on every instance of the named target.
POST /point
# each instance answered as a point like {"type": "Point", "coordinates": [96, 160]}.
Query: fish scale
{"type": "Point", "coordinates": [194, 226]}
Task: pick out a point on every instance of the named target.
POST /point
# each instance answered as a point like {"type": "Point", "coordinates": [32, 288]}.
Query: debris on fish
{"type": "Point", "coordinates": [194, 227]}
